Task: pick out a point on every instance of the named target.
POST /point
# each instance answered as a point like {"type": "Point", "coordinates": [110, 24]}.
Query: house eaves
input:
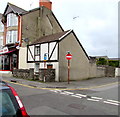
{"type": "Point", "coordinates": [30, 11]}
{"type": "Point", "coordinates": [13, 9]}
{"type": "Point", "coordinates": [71, 31]}
{"type": "Point", "coordinates": [81, 45]}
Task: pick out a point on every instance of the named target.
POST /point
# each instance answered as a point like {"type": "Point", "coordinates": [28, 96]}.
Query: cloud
{"type": "Point", "coordinates": [97, 24]}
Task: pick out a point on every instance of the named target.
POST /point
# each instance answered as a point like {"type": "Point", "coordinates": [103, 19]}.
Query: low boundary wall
{"type": "Point", "coordinates": [46, 75]}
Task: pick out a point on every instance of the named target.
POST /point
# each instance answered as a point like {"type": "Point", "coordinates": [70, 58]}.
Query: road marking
{"type": "Point", "coordinates": [76, 96]}
{"type": "Point", "coordinates": [64, 93]}
{"type": "Point", "coordinates": [114, 101]}
{"type": "Point", "coordinates": [54, 91]}
{"type": "Point", "coordinates": [20, 84]}
{"type": "Point", "coordinates": [111, 103]}
{"type": "Point", "coordinates": [93, 100]}
{"type": "Point", "coordinates": [99, 98]}
{"type": "Point", "coordinates": [82, 95]}
{"type": "Point", "coordinates": [69, 92]}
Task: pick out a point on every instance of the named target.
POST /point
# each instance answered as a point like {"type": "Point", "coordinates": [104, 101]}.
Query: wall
{"type": "Point", "coordinates": [39, 22]}
{"type": "Point", "coordinates": [55, 66]}
{"type": "Point", "coordinates": [29, 25]}
{"type": "Point", "coordinates": [23, 58]}
{"type": "Point", "coordinates": [100, 72]}
{"type": "Point", "coordinates": [47, 75]}
{"type": "Point", "coordinates": [110, 71]}
{"type": "Point", "coordinates": [49, 24]}
{"type": "Point", "coordinates": [79, 64]}
{"type": "Point", "coordinates": [117, 72]}
{"type": "Point", "coordinates": [92, 70]}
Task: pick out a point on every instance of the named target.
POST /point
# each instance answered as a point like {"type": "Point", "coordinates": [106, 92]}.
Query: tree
{"type": "Point", "coordinates": [101, 61]}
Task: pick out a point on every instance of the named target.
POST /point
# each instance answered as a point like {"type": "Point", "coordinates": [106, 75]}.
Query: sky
{"type": "Point", "coordinates": [95, 22]}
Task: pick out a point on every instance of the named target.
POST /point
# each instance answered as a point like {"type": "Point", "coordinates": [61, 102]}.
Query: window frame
{"type": "Point", "coordinates": [12, 20]}
{"type": "Point", "coordinates": [12, 36]}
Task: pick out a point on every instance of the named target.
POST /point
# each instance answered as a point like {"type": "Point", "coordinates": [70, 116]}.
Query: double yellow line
{"type": "Point", "coordinates": [88, 88]}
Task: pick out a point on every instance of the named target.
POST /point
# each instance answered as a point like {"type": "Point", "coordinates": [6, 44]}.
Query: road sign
{"type": "Point", "coordinates": [45, 57]}
{"type": "Point", "coordinates": [69, 56]}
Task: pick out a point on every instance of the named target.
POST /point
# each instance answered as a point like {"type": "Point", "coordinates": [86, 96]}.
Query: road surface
{"type": "Point", "coordinates": [96, 101]}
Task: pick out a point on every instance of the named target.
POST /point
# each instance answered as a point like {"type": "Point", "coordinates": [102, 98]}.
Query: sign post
{"type": "Point", "coordinates": [45, 59]}
{"type": "Point", "coordinates": [68, 57]}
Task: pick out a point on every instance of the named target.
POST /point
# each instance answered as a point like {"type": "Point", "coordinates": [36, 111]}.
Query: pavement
{"type": "Point", "coordinates": [92, 83]}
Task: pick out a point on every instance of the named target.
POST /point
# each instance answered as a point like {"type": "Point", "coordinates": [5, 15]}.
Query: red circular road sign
{"type": "Point", "coordinates": [69, 56]}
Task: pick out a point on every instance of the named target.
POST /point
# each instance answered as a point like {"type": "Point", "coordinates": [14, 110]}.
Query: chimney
{"type": "Point", "coordinates": [46, 3]}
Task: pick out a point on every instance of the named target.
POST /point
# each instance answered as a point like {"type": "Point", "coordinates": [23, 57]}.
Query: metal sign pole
{"type": "Point", "coordinates": [68, 71]}
{"type": "Point", "coordinates": [68, 57]}
{"type": "Point", "coordinates": [44, 70]}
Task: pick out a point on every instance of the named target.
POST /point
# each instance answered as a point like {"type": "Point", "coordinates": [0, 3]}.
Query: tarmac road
{"type": "Point", "coordinates": [100, 97]}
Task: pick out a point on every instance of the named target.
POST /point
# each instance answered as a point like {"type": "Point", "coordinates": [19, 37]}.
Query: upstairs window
{"type": "Point", "coordinates": [12, 20]}
{"type": "Point", "coordinates": [37, 50]}
{"type": "Point", "coordinates": [11, 37]}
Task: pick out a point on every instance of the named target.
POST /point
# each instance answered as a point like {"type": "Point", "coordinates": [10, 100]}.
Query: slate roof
{"type": "Point", "coordinates": [15, 9]}
{"type": "Point", "coordinates": [50, 38]}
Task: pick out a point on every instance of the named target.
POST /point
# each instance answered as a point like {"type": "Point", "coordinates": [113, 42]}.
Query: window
{"type": "Point", "coordinates": [37, 50]}
{"type": "Point", "coordinates": [11, 37]}
{"type": "Point", "coordinates": [7, 106]}
{"type": "Point", "coordinates": [12, 20]}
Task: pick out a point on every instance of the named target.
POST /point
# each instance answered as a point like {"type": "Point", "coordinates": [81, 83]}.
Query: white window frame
{"type": "Point", "coordinates": [12, 20]}
{"type": "Point", "coordinates": [12, 36]}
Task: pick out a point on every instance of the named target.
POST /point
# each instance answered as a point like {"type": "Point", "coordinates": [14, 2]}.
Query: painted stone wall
{"type": "Point", "coordinates": [79, 64]}
{"type": "Point", "coordinates": [117, 72]}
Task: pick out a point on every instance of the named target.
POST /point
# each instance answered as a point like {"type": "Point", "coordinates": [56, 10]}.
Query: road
{"type": "Point", "coordinates": [98, 101]}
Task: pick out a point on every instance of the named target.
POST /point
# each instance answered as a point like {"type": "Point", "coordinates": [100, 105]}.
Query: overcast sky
{"type": "Point", "coordinates": [95, 22]}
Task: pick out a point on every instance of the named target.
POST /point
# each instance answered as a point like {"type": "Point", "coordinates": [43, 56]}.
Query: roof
{"type": "Point", "coordinates": [15, 9]}
{"type": "Point", "coordinates": [53, 37]}
{"type": "Point", "coordinates": [58, 37]}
